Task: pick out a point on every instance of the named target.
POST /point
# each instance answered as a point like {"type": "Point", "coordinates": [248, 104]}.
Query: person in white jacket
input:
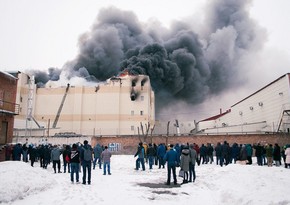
{"type": "Point", "coordinates": [287, 154]}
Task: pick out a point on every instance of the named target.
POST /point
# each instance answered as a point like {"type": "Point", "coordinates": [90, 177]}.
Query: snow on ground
{"type": "Point", "coordinates": [233, 184]}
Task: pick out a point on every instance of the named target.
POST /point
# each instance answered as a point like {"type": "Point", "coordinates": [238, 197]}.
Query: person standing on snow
{"type": "Point", "coordinates": [66, 159]}
{"type": "Point", "coordinates": [106, 158]}
{"type": "Point", "coordinates": [86, 158]}
{"type": "Point", "coordinates": [171, 157]}
{"type": "Point", "coordinates": [151, 154]}
{"type": "Point", "coordinates": [55, 157]}
{"type": "Point", "coordinates": [184, 163]}
{"type": "Point", "coordinates": [141, 155]}
{"type": "Point", "coordinates": [97, 156]}
{"type": "Point", "coordinates": [74, 163]}
{"type": "Point", "coordinates": [287, 154]}
{"type": "Point", "coordinates": [161, 151]}
{"type": "Point", "coordinates": [193, 158]}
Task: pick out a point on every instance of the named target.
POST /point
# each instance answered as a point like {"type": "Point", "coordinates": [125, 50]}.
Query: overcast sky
{"type": "Point", "coordinates": [41, 34]}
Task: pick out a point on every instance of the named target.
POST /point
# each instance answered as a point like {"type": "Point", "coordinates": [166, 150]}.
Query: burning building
{"type": "Point", "coordinates": [121, 105]}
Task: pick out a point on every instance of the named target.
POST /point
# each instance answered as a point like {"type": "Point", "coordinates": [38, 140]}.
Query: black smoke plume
{"type": "Point", "coordinates": [183, 65]}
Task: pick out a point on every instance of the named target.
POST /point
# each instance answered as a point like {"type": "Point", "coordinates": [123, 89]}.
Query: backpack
{"type": "Point", "coordinates": [87, 154]}
{"type": "Point", "coordinates": [67, 159]}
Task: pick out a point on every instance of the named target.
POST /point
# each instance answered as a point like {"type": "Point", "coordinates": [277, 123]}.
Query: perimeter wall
{"type": "Point", "coordinates": [128, 144]}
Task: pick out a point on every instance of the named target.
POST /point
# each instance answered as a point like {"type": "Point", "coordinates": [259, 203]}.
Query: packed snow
{"type": "Point", "coordinates": [231, 184]}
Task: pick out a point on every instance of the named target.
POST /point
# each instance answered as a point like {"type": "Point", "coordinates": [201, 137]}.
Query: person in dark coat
{"type": "Point", "coordinates": [86, 162]}
{"type": "Point", "coordinates": [46, 156]}
{"type": "Point", "coordinates": [178, 150]}
{"type": "Point", "coordinates": [161, 151]}
{"type": "Point", "coordinates": [171, 158]}
{"type": "Point", "coordinates": [41, 155]}
{"type": "Point", "coordinates": [155, 156]}
{"type": "Point", "coordinates": [259, 153]}
{"type": "Point", "coordinates": [151, 154]}
{"type": "Point", "coordinates": [32, 154]}
{"type": "Point", "coordinates": [235, 152]}
{"type": "Point", "coordinates": [97, 156]}
{"type": "Point", "coordinates": [17, 151]}
{"type": "Point", "coordinates": [141, 157]}
{"type": "Point", "coordinates": [8, 152]}
{"type": "Point", "coordinates": [277, 155]}
{"type": "Point", "coordinates": [66, 158]}
{"type": "Point", "coordinates": [203, 151]}
{"type": "Point", "coordinates": [225, 151]}
{"type": "Point", "coordinates": [209, 153]}
{"type": "Point", "coordinates": [24, 153]}
{"type": "Point", "coordinates": [218, 153]}
{"type": "Point", "coordinates": [74, 163]}
{"type": "Point", "coordinates": [249, 153]}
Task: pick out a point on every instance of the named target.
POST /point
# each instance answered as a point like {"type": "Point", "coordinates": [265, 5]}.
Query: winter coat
{"type": "Point", "coordinates": [82, 152]}
{"type": "Point", "coordinates": [184, 160]}
{"type": "Point", "coordinates": [98, 151]}
{"type": "Point", "coordinates": [161, 150]}
{"type": "Point", "coordinates": [277, 153]}
{"type": "Point", "coordinates": [66, 152]}
{"type": "Point", "coordinates": [140, 152]}
{"type": "Point", "coordinates": [269, 151]}
{"type": "Point", "coordinates": [75, 156]}
{"type": "Point", "coordinates": [259, 150]}
{"type": "Point", "coordinates": [46, 153]}
{"type": "Point", "coordinates": [235, 151]}
{"type": "Point", "coordinates": [243, 154]}
{"type": "Point", "coordinates": [249, 150]}
{"type": "Point", "coordinates": [225, 150]}
{"type": "Point", "coordinates": [287, 154]}
{"type": "Point", "coordinates": [218, 150]}
{"type": "Point", "coordinates": [193, 155]}
{"type": "Point", "coordinates": [171, 157]}
{"type": "Point", "coordinates": [151, 151]}
{"type": "Point", "coordinates": [209, 150]}
{"type": "Point", "coordinates": [106, 156]}
{"type": "Point", "coordinates": [32, 153]}
{"type": "Point", "coordinates": [203, 150]}
{"type": "Point", "coordinates": [55, 154]}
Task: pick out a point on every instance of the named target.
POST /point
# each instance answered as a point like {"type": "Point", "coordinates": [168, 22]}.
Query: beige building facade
{"type": "Point", "coordinates": [122, 105]}
{"type": "Point", "coordinates": [265, 111]}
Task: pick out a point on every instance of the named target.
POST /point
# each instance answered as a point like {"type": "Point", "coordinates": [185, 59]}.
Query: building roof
{"type": "Point", "coordinates": [222, 114]}
{"type": "Point", "coordinates": [8, 75]}
{"type": "Point", "coordinates": [287, 74]}
{"type": "Point", "coordinates": [216, 116]}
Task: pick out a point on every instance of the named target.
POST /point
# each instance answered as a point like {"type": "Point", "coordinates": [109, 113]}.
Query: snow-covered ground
{"type": "Point", "coordinates": [233, 184]}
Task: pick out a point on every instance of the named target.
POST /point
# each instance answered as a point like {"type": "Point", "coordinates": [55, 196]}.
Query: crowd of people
{"type": "Point", "coordinates": [74, 158]}
{"type": "Point", "coordinates": [185, 156]}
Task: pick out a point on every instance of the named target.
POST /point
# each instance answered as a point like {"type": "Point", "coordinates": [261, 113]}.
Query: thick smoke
{"type": "Point", "coordinates": [183, 65]}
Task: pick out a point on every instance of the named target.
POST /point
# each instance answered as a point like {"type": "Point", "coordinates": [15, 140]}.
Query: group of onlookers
{"type": "Point", "coordinates": [186, 156]}
{"type": "Point", "coordinates": [73, 157]}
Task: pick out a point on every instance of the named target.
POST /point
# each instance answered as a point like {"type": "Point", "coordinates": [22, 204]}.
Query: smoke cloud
{"type": "Point", "coordinates": [183, 65]}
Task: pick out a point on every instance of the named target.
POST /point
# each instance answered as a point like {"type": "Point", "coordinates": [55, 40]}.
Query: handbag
{"type": "Point", "coordinates": [181, 173]}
